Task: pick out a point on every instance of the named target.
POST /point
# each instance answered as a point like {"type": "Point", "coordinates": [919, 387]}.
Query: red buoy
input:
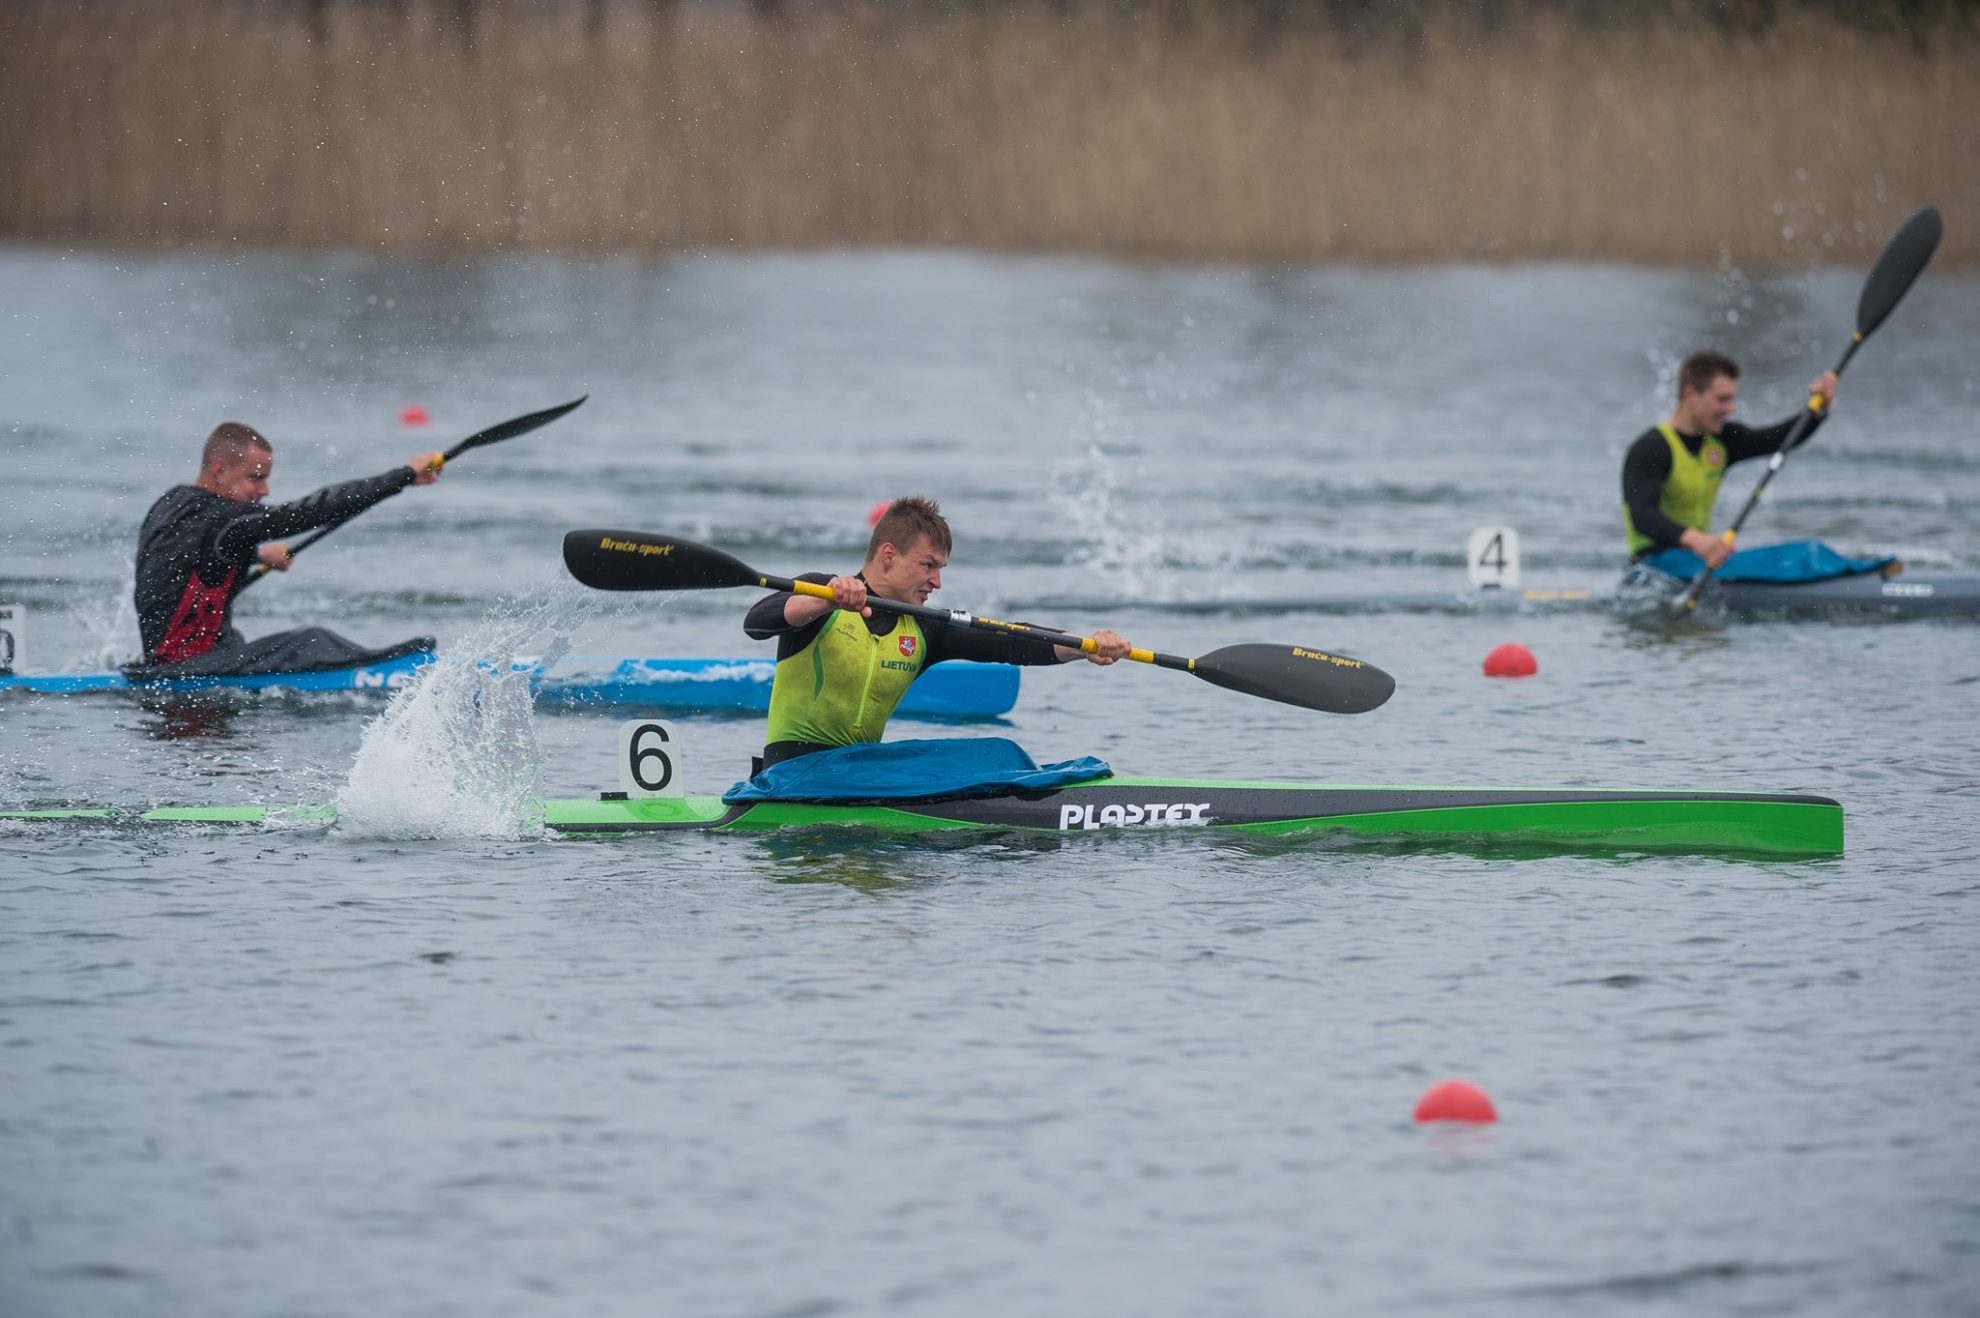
{"type": "Point", "coordinates": [877, 511]}
{"type": "Point", "coordinates": [412, 414]}
{"type": "Point", "coordinates": [1455, 1100]}
{"type": "Point", "coordinates": [1511, 660]}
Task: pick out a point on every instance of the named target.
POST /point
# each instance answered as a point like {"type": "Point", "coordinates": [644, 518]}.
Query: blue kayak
{"type": "Point", "coordinates": [380, 676]}
{"type": "Point", "coordinates": [954, 690]}
{"type": "Point", "coordinates": [957, 689]}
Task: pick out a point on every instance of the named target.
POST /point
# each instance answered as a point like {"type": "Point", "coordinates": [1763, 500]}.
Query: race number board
{"type": "Point", "coordinates": [1491, 558]}
{"type": "Point", "coordinates": [13, 637]}
{"type": "Point", "coordinates": [650, 759]}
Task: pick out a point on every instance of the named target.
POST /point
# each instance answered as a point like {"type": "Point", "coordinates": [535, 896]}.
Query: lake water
{"type": "Point", "coordinates": [427, 1063]}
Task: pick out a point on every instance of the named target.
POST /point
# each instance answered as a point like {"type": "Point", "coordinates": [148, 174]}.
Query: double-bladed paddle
{"type": "Point", "coordinates": [1291, 674]}
{"type": "Point", "coordinates": [1903, 259]}
{"type": "Point", "coordinates": [495, 434]}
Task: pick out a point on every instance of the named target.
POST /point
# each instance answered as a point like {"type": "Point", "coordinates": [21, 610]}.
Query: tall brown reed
{"type": "Point", "coordinates": [206, 121]}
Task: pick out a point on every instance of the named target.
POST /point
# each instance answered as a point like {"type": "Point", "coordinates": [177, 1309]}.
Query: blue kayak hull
{"type": "Point", "coordinates": [954, 690]}
{"type": "Point", "coordinates": [382, 676]}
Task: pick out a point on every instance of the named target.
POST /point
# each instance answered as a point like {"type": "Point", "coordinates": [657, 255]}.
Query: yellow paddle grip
{"type": "Point", "coordinates": [1088, 645]}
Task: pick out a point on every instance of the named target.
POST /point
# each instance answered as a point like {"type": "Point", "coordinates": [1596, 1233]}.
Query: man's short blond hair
{"type": "Point", "coordinates": [230, 442]}
{"type": "Point", "coordinates": [907, 520]}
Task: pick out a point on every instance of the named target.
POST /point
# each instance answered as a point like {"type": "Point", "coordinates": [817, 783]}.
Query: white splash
{"type": "Point", "coordinates": [111, 624]}
{"type": "Point", "coordinates": [455, 754]}
{"type": "Point", "coordinates": [1085, 483]}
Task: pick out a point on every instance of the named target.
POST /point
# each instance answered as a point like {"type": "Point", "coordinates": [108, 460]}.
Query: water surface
{"type": "Point", "coordinates": [428, 1063]}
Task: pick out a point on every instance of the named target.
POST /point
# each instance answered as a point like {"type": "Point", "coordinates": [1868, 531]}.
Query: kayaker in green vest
{"type": "Point", "coordinates": [843, 665]}
{"type": "Point", "coordinates": [1671, 474]}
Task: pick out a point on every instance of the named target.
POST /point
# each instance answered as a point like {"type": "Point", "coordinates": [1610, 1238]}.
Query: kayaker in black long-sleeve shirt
{"type": "Point", "coordinates": [843, 665]}
{"type": "Point", "coordinates": [1671, 473]}
{"type": "Point", "coordinates": [199, 541]}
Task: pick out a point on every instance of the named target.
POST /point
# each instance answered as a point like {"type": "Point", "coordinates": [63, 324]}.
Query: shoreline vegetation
{"type": "Point", "coordinates": [1762, 132]}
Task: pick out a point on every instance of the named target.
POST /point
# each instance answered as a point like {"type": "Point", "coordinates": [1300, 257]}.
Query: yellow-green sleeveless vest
{"type": "Point", "coordinates": [842, 688]}
{"type": "Point", "coordinates": [1689, 491]}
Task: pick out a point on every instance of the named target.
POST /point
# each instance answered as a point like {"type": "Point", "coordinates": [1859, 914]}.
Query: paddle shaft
{"type": "Point", "coordinates": [520, 425]}
{"type": "Point", "coordinates": [316, 535]}
{"type": "Point", "coordinates": [1802, 424]}
{"type": "Point", "coordinates": [961, 618]}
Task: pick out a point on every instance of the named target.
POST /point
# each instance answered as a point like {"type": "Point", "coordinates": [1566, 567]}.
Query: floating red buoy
{"type": "Point", "coordinates": [877, 511]}
{"type": "Point", "coordinates": [412, 414]}
{"type": "Point", "coordinates": [1455, 1100]}
{"type": "Point", "coordinates": [1511, 660]}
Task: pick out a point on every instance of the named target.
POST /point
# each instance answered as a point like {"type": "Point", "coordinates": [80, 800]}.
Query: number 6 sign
{"type": "Point", "coordinates": [649, 759]}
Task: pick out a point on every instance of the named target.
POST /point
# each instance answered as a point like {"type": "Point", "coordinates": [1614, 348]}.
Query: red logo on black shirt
{"type": "Point", "coordinates": [196, 626]}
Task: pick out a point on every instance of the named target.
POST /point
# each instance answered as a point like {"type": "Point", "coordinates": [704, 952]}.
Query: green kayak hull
{"type": "Point", "coordinates": [1477, 818]}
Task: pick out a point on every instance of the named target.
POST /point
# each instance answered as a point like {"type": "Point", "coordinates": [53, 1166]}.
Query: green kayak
{"type": "Point", "coordinates": [1469, 818]}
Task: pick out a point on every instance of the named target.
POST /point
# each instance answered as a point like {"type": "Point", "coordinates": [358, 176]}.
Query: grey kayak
{"type": "Point", "coordinates": [1869, 595]}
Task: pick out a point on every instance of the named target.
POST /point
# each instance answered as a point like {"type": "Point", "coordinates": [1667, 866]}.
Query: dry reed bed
{"type": "Point", "coordinates": [195, 121]}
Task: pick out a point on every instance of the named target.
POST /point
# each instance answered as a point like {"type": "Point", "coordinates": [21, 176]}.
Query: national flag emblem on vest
{"type": "Point", "coordinates": [907, 647]}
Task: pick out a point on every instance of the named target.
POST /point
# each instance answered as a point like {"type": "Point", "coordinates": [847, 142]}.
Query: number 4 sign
{"type": "Point", "coordinates": [649, 759]}
{"type": "Point", "coordinates": [1492, 557]}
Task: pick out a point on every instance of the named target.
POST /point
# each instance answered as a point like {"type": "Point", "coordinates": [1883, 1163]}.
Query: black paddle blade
{"type": "Point", "coordinates": [1296, 675]}
{"type": "Point", "coordinates": [640, 560]}
{"type": "Point", "coordinates": [517, 425]}
{"type": "Point", "coordinates": [1904, 257]}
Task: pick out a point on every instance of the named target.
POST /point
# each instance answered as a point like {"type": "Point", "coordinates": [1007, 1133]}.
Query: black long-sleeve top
{"type": "Point", "coordinates": [1647, 465]}
{"type": "Point", "coordinates": [194, 540]}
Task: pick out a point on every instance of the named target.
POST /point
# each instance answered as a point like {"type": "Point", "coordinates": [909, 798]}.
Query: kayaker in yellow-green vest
{"type": "Point", "coordinates": [843, 665]}
{"type": "Point", "coordinates": [1671, 474]}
